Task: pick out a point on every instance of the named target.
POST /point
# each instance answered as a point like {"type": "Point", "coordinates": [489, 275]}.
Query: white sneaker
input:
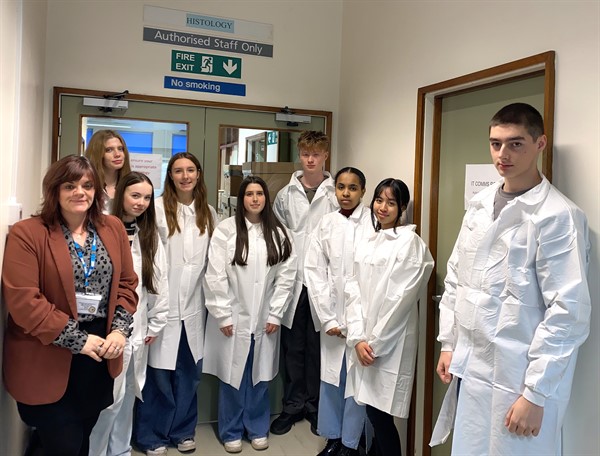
{"type": "Point", "coordinates": [160, 451]}
{"type": "Point", "coordinates": [235, 446]}
{"type": "Point", "coordinates": [260, 443]}
{"type": "Point", "coordinates": [186, 445]}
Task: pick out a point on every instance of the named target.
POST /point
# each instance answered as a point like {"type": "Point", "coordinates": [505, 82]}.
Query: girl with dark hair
{"type": "Point", "coordinates": [134, 205]}
{"type": "Point", "coordinates": [68, 284]}
{"type": "Point", "coordinates": [108, 153]}
{"type": "Point", "coordinates": [169, 413]}
{"type": "Point", "coordinates": [329, 260]}
{"type": "Point", "coordinates": [248, 283]}
{"type": "Point", "coordinates": [390, 267]}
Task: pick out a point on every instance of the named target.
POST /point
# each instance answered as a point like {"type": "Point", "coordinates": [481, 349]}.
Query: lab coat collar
{"type": "Point", "coordinates": [391, 234]}
{"type": "Point", "coordinates": [529, 198]}
{"type": "Point", "coordinates": [295, 181]}
{"type": "Point", "coordinates": [185, 209]}
{"type": "Point", "coordinates": [252, 226]}
{"type": "Point", "coordinates": [358, 212]}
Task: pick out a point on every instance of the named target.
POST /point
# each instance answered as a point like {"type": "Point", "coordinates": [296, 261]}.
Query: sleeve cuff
{"type": "Point", "coordinates": [447, 347]}
{"type": "Point", "coordinates": [227, 321]}
{"type": "Point", "coordinates": [330, 324]}
{"type": "Point", "coordinates": [533, 397]}
{"type": "Point", "coordinates": [274, 320]}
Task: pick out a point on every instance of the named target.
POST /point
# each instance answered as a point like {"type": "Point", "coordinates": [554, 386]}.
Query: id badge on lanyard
{"type": "Point", "coordinates": [87, 302]}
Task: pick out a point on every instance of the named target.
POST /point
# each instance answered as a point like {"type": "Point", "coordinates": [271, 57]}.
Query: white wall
{"type": "Point", "coordinates": [390, 49]}
{"type": "Point", "coordinates": [98, 45]}
{"type": "Point", "coordinates": [23, 30]}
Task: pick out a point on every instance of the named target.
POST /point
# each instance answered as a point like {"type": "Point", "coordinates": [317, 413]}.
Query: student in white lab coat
{"type": "Point", "coordinates": [328, 262]}
{"type": "Point", "coordinates": [169, 413]}
{"type": "Point", "coordinates": [299, 206]}
{"type": "Point", "coordinates": [390, 268]}
{"type": "Point", "coordinates": [134, 205]}
{"type": "Point", "coordinates": [516, 305]}
{"type": "Point", "coordinates": [249, 283]}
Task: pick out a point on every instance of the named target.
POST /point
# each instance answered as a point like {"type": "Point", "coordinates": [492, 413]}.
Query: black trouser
{"type": "Point", "coordinates": [64, 427]}
{"type": "Point", "coordinates": [302, 360]}
{"type": "Point", "coordinates": [387, 440]}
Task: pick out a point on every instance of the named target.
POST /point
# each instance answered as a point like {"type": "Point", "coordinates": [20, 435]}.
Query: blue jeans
{"type": "Point", "coordinates": [244, 409]}
{"type": "Point", "coordinates": [339, 417]}
{"type": "Point", "coordinates": [169, 412]}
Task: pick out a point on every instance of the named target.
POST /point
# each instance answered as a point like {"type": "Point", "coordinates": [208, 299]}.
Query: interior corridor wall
{"type": "Point", "coordinates": [22, 41]}
{"type": "Point", "coordinates": [303, 73]}
{"type": "Point", "coordinates": [390, 49]}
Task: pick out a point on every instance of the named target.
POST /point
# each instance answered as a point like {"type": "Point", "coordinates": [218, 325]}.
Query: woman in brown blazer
{"type": "Point", "coordinates": [69, 287]}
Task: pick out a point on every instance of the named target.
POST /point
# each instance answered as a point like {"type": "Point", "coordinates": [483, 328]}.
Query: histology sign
{"type": "Point", "coordinates": [207, 64]}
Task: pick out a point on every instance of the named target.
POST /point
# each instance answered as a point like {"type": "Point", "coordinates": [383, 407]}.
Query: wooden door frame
{"type": "Point", "coordinates": [536, 65]}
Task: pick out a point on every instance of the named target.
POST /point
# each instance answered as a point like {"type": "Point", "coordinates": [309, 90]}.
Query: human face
{"type": "Point", "coordinates": [313, 160]}
{"type": "Point", "coordinates": [114, 155]}
{"type": "Point", "coordinates": [75, 198]}
{"type": "Point", "coordinates": [136, 200]}
{"type": "Point", "coordinates": [254, 202]}
{"type": "Point", "coordinates": [386, 209]}
{"type": "Point", "coordinates": [348, 190]}
{"type": "Point", "coordinates": [515, 154]}
{"type": "Point", "coordinates": [185, 176]}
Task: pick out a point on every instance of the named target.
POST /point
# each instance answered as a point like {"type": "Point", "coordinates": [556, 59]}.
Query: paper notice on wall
{"type": "Point", "coordinates": [148, 164]}
{"type": "Point", "coordinates": [478, 177]}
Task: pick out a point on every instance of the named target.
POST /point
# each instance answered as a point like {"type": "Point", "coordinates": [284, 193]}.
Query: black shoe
{"type": "Point", "coordinates": [312, 418]}
{"type": "Point", "coordinates": [345, 451]}
{"type": "Point", "coordinates": [332, 447]}
{"type": "Point", "coordinates": [284, 422]}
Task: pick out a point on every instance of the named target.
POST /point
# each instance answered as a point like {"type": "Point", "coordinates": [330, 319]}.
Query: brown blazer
{"type": "Point", "coordinates": [39, 293]}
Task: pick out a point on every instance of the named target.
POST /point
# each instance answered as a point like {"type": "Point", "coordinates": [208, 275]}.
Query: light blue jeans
{"type": "Point", "coordinates": [246, 409]}
{"type": "Point", "coordinates": [340, 417]}
{"type": "Point", "coordinates": [111, 435]}
{"type": "Point", "coordinates": [169, 413]}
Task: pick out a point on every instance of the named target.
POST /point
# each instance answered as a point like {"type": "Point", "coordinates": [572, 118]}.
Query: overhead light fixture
{"type": "Point", "coordinates": [293, 118]}
{"type": "Point", "coordinates": [105, 104]}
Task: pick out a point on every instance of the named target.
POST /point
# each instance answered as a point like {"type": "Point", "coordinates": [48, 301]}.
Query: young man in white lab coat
{"type": "Point", "coordinates": [299, 206]}
{"type": "Point", "coordinates": [516, 305]}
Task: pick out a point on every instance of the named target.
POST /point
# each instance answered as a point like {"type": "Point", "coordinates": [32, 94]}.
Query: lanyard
{"type": "Point", "coordinates": [87, 270]}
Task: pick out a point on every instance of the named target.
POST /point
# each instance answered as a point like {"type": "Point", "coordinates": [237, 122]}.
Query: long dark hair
{"type": "Point", "coordinates": [204, 220]}
{"type": "Point", "coordinates": [401, 195]}
{"type": "Point", "coordinates": [279, 246]}
{"type": "Point", "coordinates": [148, 233]}
{"type": "Point", "coordinates": [69, 169]}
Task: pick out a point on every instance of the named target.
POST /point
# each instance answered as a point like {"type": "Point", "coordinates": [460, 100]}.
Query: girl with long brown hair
{"type": "Point", "coordinates": [186, 221]}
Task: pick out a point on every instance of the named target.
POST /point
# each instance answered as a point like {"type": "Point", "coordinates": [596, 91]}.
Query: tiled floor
{"type": "Point", "coordinates": [298, 442]}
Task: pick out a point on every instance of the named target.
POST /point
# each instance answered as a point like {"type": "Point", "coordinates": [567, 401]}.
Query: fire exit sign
{"type": "Point", "coordinates": [206, 64]}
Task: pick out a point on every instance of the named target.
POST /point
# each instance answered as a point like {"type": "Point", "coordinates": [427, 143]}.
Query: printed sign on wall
{"type": "Point", "coordinates": [207, 64]}
{"type": "Point", "coordinates": [199, 85]}
{"type": "Point", "coordinates": [477, 178]}
{"type": "Point", "coordinates": [219, 25]}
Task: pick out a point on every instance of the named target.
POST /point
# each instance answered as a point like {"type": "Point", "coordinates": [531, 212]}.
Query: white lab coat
{"type": "Point", "coordinates": [114, 425]}
{"type": "Point", "coordinates": [300, 217]}
{"type": "Point", "coordinates": [187, 253]}
{"type": "Point", "coordinates": [515, 310]}
{"type": "Point", "coordinates": [390, 270]}
{"type": "Point", "coordinates": [328, 262]}
{"type": "Point", "coordinates": [247, 297]}
{"type": "Point", "coordinates": [150, 316]}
